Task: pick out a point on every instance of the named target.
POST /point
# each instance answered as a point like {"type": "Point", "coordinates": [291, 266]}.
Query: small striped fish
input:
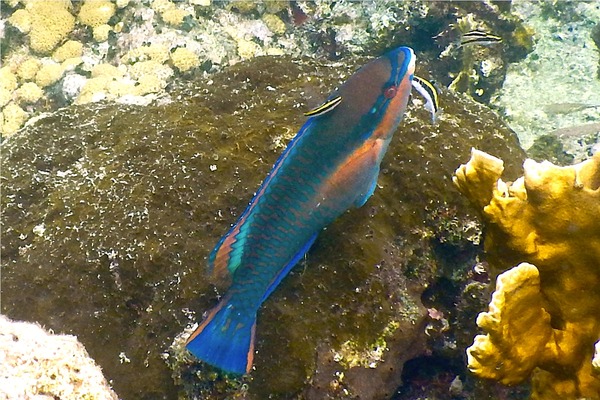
{"type": "Point", "coordinates": [477, 37]}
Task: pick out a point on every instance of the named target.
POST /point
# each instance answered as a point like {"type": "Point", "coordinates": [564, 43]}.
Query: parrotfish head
{"type": "Point", "coordinates": [374, 98]}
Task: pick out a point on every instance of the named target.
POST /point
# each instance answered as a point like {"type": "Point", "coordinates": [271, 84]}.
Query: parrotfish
{"type": "Point", "coordinates": [330, 166]}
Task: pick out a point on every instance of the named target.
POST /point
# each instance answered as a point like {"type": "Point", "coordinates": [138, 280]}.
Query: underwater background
{"type": "Point", "coordinates": [134, 133]}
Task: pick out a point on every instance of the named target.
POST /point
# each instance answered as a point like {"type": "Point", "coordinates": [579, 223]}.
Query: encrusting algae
{"type": "Point", "coordinates": [543, 320]}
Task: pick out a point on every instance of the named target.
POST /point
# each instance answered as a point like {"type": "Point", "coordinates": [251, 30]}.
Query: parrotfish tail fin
{"type": "Point", "coordinates": [225, 339]}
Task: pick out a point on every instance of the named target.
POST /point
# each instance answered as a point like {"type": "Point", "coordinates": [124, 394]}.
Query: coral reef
{"type": "Point", "coordinates": [596, 38]}
{"type": "Point", "coordinates": [95, 13]}
{"type": "Point", "coordinates": [219, 34]}
{"type": "Point", "coordinates": [543, 319]}
{"type": "Point", "coordinates": [37, 364]}
{"type": "Point", "coordinates": [121, 205]}
{"type": "Point", "coordinates": [51, 22]}
{"type": "Point", "coordinates": [564, 42]}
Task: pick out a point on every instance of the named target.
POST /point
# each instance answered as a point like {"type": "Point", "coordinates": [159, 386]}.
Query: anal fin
{"type": "Point", "coordinates": [362, 199]}
{"type": "Point", "coordinates": [289, 266]}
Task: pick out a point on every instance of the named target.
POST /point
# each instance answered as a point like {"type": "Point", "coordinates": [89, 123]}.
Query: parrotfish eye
{"type": "Point", "coordinates": [390, 92]}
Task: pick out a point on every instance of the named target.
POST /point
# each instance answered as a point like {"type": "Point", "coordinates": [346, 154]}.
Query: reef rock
{"type": "Point", "coordinates": [109, 212]}
{"type": "Point", "coordinates": [543, 320]}
{"type": "Point", "coordinates": [38, 364]}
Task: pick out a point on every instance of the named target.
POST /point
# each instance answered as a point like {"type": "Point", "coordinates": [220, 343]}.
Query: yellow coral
{"type": "Point", "coordinates": [274, 23]}
{"type": "Point", "coordinates": [142, 68]}
{"type": "Point", "coordinates": [96, 12]}
{"type": "Point", "coordinates": [247, 49]}
{"type": "Point", "coordinates": [8, 80]}
{"type": "Point", "coordinates": [28, 68]}
{"type": "Point", "coordinates": [51, 22]}
{"type": "Point", "coordinates": [121, 87]}
{"type": "Point", "coordinates": [70, 49]}
{"type": "Point", "coordinates": [161, 5]}
{"type": "Point", "coordinates": [93, 90]}
{"type": "Point", "coordinates": [107, 70]}
{"type": "Point", "coordinates": [149, 84]}
{"type": "Point", "coordinates": [29, 92]}
{"type": "Point", "coordinates": [157, 52]}
{"type": "Point", "coordinates": [49, 74]}
{"type": "Point", "coordinates": [174, 16]}
{"type": "Point", "coordinates": [101, 32]}
{"type": "Point", "coordinates": [21, 19]}
{"type": "Point", "coordinates": [184, 59]}
{"type": "Point", "coordinates": [5, 96]}
{"type": "Point", "coordinates": [70, 63]}
{"type": "Point", "coordinates": [550, 218]}
{"type": "Point", "coordinates": [517, 290]}
{"type": "Point", "coordinates": [13, 118]}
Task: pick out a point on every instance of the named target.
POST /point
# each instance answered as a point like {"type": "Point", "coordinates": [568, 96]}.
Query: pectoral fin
{"type": "Point", "coordinates": [363, 197]}
{"type": "Point", "coordinates": [356, 179]}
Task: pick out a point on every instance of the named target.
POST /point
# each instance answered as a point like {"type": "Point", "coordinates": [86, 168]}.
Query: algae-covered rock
{"type": "Point", "coordinates": [109, 213]}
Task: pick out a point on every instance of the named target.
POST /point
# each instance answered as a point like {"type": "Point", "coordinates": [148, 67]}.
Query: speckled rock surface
{"type": "Point", "coordinates": [109, 212]}
{"type": "Point", "coordinates": [36, 364]}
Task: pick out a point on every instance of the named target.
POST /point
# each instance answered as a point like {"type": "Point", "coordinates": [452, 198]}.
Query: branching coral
{"type": "Point", "coordinates": [543, 319]}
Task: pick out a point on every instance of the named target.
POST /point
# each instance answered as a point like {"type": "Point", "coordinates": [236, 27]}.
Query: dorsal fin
{"type": "Point", "coordinates": [227, 254]}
